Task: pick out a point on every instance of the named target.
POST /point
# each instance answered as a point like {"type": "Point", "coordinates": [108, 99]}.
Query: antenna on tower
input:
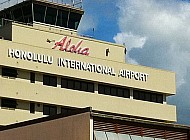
{"type": "Point", "coordinates": [93, 30]}
{"type": "Point", "coordinates": [76, 3]}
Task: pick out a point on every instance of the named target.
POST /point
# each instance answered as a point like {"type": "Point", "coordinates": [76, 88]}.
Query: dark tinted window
{"type": "Point", "coordinates": [126, 93]}
{"type": "Point", "coordinates": [62, 18]}
{"type": "Point", "coordinates": [17, 14]}
{"type": "Point", "coordinates": [113, 90]}
{"type": "Point", "coordinates": [84, 86]}
{"type": "Point", "coordinates": [107, 90]}
{"type": "Point", "coordinates": [64, 83]}
{"type": "Point", "coordinates": [91, 87]}
{"type": "Point", "coordinates": [49, 110]}
{"type": "Point", "coordinates": [74, 20]}
{"type": "Point", "coordinates": [70, 84]}
{"type": "Point", "coordinates": [159, 98]}
{"type": "Point", "coordinates": [32, 77]}
{"type": "Point", "coordinates": [120, 92]}
{"type": "Point", "coordinates": [39, 13]}
{"type": "Point", "coordinates": [51, 14]}
{"type": "Point", "coordinates": [101, 89]}
{"type": "Point", "coordinates": [11, 72]}
{"type": "Point", "coordinates": [10, 103]}
{"type": "Point", "coordinates": [50, 80]}
{"type": "Point", "coordinates": [32, 107]}
{"type": "Point", "coordinates": [27, 11]}
{"type": "Point", "coordinates": [66, 110]}
{"type": "Point", "coordinates": [147, 96]}
{"type": "Point", "coordinates": [77, 84]}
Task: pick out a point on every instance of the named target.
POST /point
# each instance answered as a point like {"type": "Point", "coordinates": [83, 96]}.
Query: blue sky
{"type": "Point", "coordinates": [156, 33]}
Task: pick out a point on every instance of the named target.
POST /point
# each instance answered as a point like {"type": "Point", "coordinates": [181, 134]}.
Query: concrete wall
{"type": "Point", "coordinates": [76, 127]}
{"type": "Point", "coordinates": [66, 97]}
{"type": "Point", "coordinates": [38, 35]}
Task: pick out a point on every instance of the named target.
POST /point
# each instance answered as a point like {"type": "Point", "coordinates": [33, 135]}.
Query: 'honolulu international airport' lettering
{"type": "Point", "coordinates": [40, 58]}
{"type": "Point", "coordinates": [133, 75]}
{"type": "Point", "coordinates": [85, 66]}
{"type": "Point", "coordinates": [77, 65]}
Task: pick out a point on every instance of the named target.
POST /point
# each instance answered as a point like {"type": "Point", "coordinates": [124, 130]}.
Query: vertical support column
{"type": "Point", "coordinates": [91, 129]}
{"type": "Point", "coordinates": [96, 88]}
{"type": "Point", "coordinates": [32, 12]}
{"type": "Point", "coordinates": [164, 99]}
{"type": "Point", "coordinates": [131, 93]}
{"type": "Point", "coordinates": [59, 82]}
{"type": "Point", "coordinates": [58, 110]}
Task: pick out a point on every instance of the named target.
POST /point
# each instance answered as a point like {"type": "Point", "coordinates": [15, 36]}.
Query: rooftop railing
{"type": "Point", "coordinates": [8, 3]}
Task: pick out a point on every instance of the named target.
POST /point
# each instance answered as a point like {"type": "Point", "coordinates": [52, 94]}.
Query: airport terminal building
{"type": "Point", "coordinates": [84, 85]}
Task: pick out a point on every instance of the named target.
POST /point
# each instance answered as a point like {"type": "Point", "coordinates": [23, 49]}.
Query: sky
{"type": "Point", "coordinates": [156, 34]}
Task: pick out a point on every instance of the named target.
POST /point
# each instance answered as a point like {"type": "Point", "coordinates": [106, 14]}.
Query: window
{"type": "Point", "coordinates": [134, 137]}
{"type": "Point", "coordinates": [9, 103]}
{"type": "Point", "coordinates": [62, 18]}
{"type": "Point", "coordinates": [51, 14]}
{"type": "Point", "coordinates": [32, 107]}
{"type": "Point", "coordinates": [11, 72]}
{"type": "Point", "coordinates": [74, 20]}
{"type": "Point", "coordinates": [100, 135]}
{"type": "Point", "coordinates": [159, 98]}
{"type": "Point", "coordinates": [147, 96]}
{"type": "Point", "coordinates": [113, 91]}
{"type": "Point", "coordinates": [50, 80]}
{"type": "Point", "coordinates": [32, 77]}
{"type": "Point", "coordinates": [77, 85]}
{"type": "Point", "coordinates": [65, 110]}
{"type": "Point", "coordinates": [18, 15]}
{"type": "Point", "coordinates": [101, 89]}
{"type": "Point", "coordinates": [49, 110]}
{"type": "Point", "coordinates": [39, 13]}
{"type": "Point", "coordinates": [27, 12]}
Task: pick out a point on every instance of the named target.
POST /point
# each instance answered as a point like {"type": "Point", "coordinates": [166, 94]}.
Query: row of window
{"type": "Point", "coordinates": [113, 91]}
{"type": "Point", "coordinates": [100, 135]}
{"type": "Point", "coordinates": [47, 109]}
{"type": "Point", "coordinates": [77, 85]}
{"type": "Point", "coordinates": [80, 85]}
{"type": "Point", "coordinates": [68, 83]}
{"type": "Point", "coordinates": [147, 96]}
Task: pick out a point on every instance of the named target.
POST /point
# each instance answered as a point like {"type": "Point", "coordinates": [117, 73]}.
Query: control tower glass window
{"type": "Point", "coordinates": [27, 12]}
{"type": "Point", "coordinates": [39, 13]}
{"type": "Point", "coordinates": [17, 15]}
{"type": "Point", "coordinates": [62, 18]}
{"type": "Point", "coordinates": [74, 20]}
{"type": "Point", "coordinates": [51, 16]}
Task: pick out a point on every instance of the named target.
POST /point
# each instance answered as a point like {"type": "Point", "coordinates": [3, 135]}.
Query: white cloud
{"type": "Point", "coordinates": [132, 41]}
{"type": "Point", "coordinates": [87, 23]}
{"type": "Point", "coordinates": [159, 34]}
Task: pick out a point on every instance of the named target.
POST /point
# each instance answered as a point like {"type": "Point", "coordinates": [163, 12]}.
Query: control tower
{"type": "Point", "coordinates": [63, 14]}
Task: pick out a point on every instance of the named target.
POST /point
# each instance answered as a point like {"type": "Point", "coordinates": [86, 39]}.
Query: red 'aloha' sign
{"type": "Point", "coordinates": [66, 45]}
